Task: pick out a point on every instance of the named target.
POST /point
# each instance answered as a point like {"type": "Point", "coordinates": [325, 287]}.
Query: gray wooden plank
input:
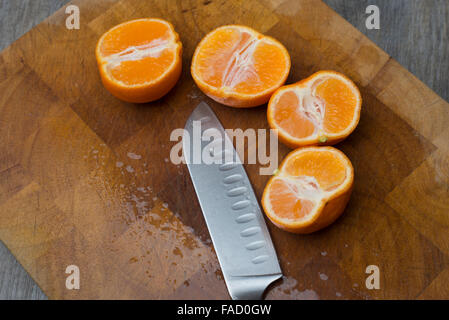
{"type": "Point", "coordinates": [19, 16]}
{"type": "Point", "coordinates": [15, 283]}
{"type": "Point", "coordinates": [414, 32]}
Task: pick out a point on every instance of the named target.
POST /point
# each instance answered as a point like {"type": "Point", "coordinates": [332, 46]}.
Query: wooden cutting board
{"type": "Point", "coordinates": [85, 178]}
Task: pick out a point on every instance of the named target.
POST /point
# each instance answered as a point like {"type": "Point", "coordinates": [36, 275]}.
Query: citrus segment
{"type": "Point", "coordinates": [310, 190]}
{"type": "Point", "coordinates": [340, 104]}
{"type": "Point", "coordinates": [140, 60]}
{"type": "Point", "coordinates": [326, 167]}
{"type": "Point", "coordinates": [239, 67]}
{"type": "Point", "coordinates": [294, 123]}
{"type": "Point", "coordinates": [322, 109]}
{"type": "Point", "coordinates": [287, 197]}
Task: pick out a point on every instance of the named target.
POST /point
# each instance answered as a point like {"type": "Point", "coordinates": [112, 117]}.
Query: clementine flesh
{"type": "Point", "coordinates": [322, 109]}
{"type": "Point", "coordinates": [140, 60]}
{"type": "Point", "coordinates": [310, 189]}
{"type": "Point", "coordinates": [239, 67]}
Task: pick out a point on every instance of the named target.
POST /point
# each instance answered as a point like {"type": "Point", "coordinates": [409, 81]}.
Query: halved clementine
{"type": "Point", "coordinates": [239, 67]}
{"type": "Point", "coordinates": [140, 60]}
{"type": "Point", "coordinates": [322, 109]}
{"type": "Point", "coordinates": [310, 190]}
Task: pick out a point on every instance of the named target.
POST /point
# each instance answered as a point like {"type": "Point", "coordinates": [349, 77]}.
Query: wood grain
{"type": "Point", "coordinates": [71, 193]}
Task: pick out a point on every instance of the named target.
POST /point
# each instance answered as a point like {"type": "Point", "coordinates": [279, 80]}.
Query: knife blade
{"type": "Point", "coordinates": [236, 225]}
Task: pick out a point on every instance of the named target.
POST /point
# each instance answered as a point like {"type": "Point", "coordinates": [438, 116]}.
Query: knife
{"type": "Point", "coordinates": [239, 234]}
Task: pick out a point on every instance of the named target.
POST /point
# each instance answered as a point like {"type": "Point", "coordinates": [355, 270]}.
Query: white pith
{"type": "Point", "coordinates": [304, 187]}
{"type": "Point", "coordinates": [241, 65]}
{"type": "Point", "coordinates": [228, 92]}
{"type": "Point", "coordinates": [152, 49]}
{"type": "Point", "coordinates": [307, 188]}
{"type": "Point", "coordinates": [313, 108]}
